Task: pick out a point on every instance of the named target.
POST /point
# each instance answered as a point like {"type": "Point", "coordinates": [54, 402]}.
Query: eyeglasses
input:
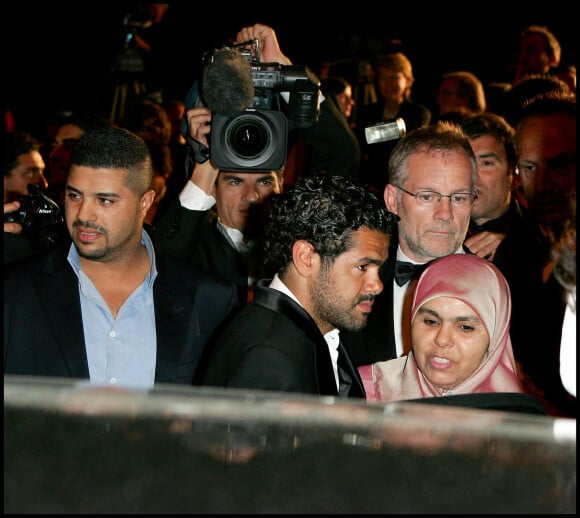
{"type": "Point", "coordinates": [459, 200]}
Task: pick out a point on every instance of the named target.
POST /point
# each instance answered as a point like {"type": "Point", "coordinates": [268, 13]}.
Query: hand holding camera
{"type": "Point", "coordinates": [199, 124]}
{"type": "Point", "coordinates": [254, 103]}
{"type": "Point", "coordinates": [39, 217]}
{"type": "Point", "coordinates": [11, 226]}
{"type": "Point", "coordinates": [269, 49]}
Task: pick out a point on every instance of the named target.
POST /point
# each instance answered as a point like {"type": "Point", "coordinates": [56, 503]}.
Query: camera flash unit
{"type": "Point", "coordinates": [385, 131]}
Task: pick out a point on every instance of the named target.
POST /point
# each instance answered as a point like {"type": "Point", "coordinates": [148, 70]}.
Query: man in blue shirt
{"type": "Point", "coordinates": [104, 307]}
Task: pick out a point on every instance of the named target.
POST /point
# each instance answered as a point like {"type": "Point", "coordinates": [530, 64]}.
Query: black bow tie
{"type": "Point", "coordinates": [405, 271]}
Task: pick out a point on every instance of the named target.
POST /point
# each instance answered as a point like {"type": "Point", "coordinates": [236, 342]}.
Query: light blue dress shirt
{"type": "Point", "coordinates": [121, 351]}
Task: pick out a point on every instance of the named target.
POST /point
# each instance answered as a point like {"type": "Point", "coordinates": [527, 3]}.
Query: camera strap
{"type": "Point", "coordinates": [197, 150]}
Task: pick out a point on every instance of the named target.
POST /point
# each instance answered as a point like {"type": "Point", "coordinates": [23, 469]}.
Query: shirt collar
{"type": "Point", "coordinates": [75, 260]}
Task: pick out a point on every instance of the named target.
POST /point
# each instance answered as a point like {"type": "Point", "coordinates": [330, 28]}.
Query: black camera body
{"type": "Point", "coordinates": [285, 97]}
{"type": "Point", "coordinates": [41, 218]}
{"type": "Point", "coordinates": [302, 86]}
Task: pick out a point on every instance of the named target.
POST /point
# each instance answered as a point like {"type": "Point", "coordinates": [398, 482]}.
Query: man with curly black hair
{"type": "Point", "coordinates": [325, 240]}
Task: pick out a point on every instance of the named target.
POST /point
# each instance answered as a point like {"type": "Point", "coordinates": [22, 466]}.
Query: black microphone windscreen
{"type": "Point", "coordinates": [227, 86]}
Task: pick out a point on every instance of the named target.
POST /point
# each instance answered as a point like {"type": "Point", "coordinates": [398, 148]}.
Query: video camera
{"type": "Point", "coordinates": [254, 107]}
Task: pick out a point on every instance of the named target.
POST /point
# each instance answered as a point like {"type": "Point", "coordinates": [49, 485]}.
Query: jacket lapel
{"type": "Point", "coordinates": [281, 303]}
{"type": "Point", "coordinates": [58, 293]}
{"type": "Point", "coordinates": [356, 387]}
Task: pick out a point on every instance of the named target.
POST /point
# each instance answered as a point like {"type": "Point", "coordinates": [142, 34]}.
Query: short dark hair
{"type": "Point", "coordinates": [16, 144]}
{"type": "Point", "coordinates": [496, 126]}
{"type": "Point", "coordinates": [324, 210]}
{"type": "Point", "coordinates": [549, 103]}
{"type": "Point", "coordinates": [116, 148]}
{"type": "Point", "coordinates": [527, 88]}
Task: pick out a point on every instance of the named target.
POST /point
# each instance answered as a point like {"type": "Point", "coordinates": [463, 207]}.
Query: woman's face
{"type": "Point", "coordinates": [392, 84]}
{"type": "Point", "coordinates": [449, 341]}
{"type": "Point", "coordinates": [345, 101]}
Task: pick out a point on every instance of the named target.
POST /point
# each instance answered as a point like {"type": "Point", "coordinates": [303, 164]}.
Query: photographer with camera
{"type": "Point", "coordinates": [211, 225]}
{"type": "Point", "coordinates": [215, 223]}
{"type": "Point", "coordinates": [104, 307]}
{"type": "Point", "coordinates": [32, 221]}
{"type": "Point", "coordinates": [330, 145]}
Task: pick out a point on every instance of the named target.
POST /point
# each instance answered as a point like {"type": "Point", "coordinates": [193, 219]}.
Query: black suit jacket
{"type": "Point", "coordinates": [274, 344]}
{"type": "Point", "coordinates": [43, 329]}
{"type": "Point", "coordinates": [332, 147]}
{"type": "Point", "coordinates": [193, 238]}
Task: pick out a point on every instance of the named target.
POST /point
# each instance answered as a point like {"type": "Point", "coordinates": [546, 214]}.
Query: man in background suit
{"type": "Point", "coordinates": [102, 307]}
{"type": "Point", "coordinates": [546, 147]}
{"type": "Point", "coordinates": [324, 240]}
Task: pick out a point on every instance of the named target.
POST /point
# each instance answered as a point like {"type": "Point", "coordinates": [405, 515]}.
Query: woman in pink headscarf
{"type": "Point", "coordinates": [460, 332]}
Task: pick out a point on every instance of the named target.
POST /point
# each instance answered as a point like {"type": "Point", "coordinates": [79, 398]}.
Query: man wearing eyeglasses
{"type": "Point", "coordinates": [431, 188]}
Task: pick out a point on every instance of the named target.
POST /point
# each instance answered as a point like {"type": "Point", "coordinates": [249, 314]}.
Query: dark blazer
{"type": "Point", "coordinates": [43, 330]}
{"type": "Point", "coordinates": [332, 146]}
{"type": "Point", "coordinates": [193, 238]}
{"type": "Point", "coordinates": [538, 308]}
{"type": "Point", "coordinates": [274, 344]}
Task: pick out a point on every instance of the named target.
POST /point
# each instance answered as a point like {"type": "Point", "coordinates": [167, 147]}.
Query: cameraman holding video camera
{"type": "Point", "coordinates": [215, 223]}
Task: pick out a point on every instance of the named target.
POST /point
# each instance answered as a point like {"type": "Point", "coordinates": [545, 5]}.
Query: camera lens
{"type": "Point", "coordinates": [253, 140]}
{"type": "Point", "coordinates": [248, 138]}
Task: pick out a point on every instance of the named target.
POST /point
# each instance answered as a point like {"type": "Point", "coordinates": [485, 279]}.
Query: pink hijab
{"type": "Point", "coordinates": [480, 285]}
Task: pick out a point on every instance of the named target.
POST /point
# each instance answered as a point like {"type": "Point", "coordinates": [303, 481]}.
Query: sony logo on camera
{"type": "Point", "coordinates": [250, 129]}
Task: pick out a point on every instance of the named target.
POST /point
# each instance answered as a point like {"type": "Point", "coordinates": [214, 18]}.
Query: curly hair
{"type": "Point", "coordinates": [324, 210]}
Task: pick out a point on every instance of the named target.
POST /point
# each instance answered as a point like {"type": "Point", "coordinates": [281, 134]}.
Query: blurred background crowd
{"type": "Point", "coordinates": [67, 55]}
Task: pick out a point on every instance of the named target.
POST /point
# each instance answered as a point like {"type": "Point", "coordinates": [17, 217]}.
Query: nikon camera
{"type": "Point", "coordinates": [41, 218]}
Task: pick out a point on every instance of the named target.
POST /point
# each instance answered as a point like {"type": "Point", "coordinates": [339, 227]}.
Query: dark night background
{"type": "Point", "coordinates": [60, 55]}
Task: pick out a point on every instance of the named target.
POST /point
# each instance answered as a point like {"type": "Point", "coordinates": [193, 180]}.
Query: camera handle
{"type": "Point", "coordinates": [255, 54]}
